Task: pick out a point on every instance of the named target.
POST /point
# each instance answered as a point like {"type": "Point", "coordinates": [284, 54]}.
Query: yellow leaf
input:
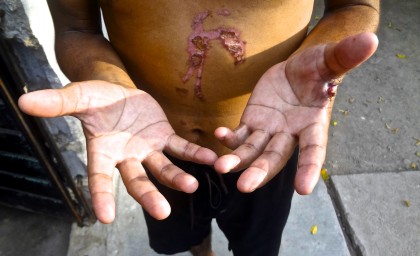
{"type": "Point", "coordinates": [314, 229]}
{"type": "Point", "coordinates": [344, 112]}
{"type": "Point", "coordinates": [413, 166]}
{"type": "Point", "coordinates": [324, 174]}
{"type": "Point", "coordinates": [401, 56]}
{"type": "Point", "coordinates": [407, 203]}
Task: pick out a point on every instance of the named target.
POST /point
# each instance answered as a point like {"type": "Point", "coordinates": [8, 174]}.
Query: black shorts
{"type": "Point", "coordinates": [253, 223]}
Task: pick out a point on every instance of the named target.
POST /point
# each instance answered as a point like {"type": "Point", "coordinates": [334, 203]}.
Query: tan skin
{"type": "Point", "coordinates": [133, 104]}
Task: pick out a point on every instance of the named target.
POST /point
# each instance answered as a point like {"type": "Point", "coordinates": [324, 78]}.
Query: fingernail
{"type": "Point", "coordinates": [251, 186]}
{"type": "Point", "coordinates": [251, 183]}
{"type": "Point", "coordinates": [233, 162]}
{"type": "Point", "coordinates": [227, 163]}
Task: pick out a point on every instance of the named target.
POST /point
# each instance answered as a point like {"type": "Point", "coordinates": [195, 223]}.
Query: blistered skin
{"type": "Point", "coordinates": [331, 90]}
{"type": "Point", "coordinates": [199, 45]}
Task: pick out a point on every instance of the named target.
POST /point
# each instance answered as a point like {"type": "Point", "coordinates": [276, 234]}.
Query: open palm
{"type": "Point", "coordinates": [290, 106]}
{"type": "Point", "coordinates": [124, 128]}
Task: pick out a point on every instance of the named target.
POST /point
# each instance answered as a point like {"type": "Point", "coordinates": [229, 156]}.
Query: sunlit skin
{"type": "Point", "coordinates": [134, 104]}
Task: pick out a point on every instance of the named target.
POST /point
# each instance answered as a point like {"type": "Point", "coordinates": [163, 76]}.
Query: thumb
{"type": "Point", "coordinates": [347, 54]}
{"type": "Point", "coordinates": [50, 102]}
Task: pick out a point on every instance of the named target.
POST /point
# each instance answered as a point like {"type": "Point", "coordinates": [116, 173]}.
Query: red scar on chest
{"type": "Point", "coordinates": [199, 45]}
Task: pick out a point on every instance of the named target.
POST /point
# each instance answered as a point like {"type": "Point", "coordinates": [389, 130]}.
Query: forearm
{"type": "Point", "coordinates": [82, 51]}
{"type": "Point", "coordinates": [341, 20]}
{"type": "Point", "coordinates": [84, 56]}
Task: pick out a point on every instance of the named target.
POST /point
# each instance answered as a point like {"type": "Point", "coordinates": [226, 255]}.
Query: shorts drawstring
{"type": "Point", "coordinates": [216, 194]}
{"type": "Point", "coordinates": [215, 200]}
{"type": "Point", "coordinates": [222, 183]}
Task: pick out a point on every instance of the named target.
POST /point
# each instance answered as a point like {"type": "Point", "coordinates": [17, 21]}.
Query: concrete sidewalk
{"type": "Point", "coordinates": [128, 234]}
{"type": "Point", "coordinates": [379, 214]}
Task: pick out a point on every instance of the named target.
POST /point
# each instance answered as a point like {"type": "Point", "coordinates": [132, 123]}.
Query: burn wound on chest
{"type": "Point", "coordinates": [199, 45]}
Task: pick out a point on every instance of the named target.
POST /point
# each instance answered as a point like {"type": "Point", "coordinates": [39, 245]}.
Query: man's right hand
{"type": "Point", "coordinates": [124, 128]}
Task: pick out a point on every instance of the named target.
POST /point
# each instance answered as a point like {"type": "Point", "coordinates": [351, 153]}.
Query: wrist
{"type": "Point", "coordinates": [112, 74]}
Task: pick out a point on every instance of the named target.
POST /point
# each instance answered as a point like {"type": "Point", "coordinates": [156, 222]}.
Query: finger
{"type": "Point", "coordinates": [168, 174]}
{"type": "Point", "coordinates": [232, 139]}
{"type": "Point", "coordinates": [269, 164]}
{"type": "Point", "coordinates": [312, 151]}
{"type": "Point", "coordinates": [101, 186]}
{"type": "Point", "coordinates": [245, 154]}
{"type": "Point", "coordinates": [51, 102]}
{"type": "Point", "coordinates": [347, 54]}
{"type": "Point", "coordinates": [185, 150]}
{"type": "Point", "coordinates": [142, 189]}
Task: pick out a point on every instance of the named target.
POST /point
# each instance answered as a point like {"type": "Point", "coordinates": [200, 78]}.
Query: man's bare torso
{"type": "Point", "coordinates": [201, 59]}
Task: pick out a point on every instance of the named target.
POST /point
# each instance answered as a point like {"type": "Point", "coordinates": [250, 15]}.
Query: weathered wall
{"type": "Point", "coordinates": [27, 26]}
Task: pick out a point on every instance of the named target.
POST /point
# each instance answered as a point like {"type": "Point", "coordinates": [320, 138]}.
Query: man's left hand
{"type": "Point", "coordinates": [290, 106]}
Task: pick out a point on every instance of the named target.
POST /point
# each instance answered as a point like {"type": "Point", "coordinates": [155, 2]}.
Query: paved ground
{"type": "Point", "coordinates": [377, 107]}
{"type": "Point", "coordinates": [28, 234]}
{"type": "Point", "coordinates": [369, 206]}
{"type": "Point", "coordinates": [382, 212]}
{"type": "Point", "coordinates": [128, 235]}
